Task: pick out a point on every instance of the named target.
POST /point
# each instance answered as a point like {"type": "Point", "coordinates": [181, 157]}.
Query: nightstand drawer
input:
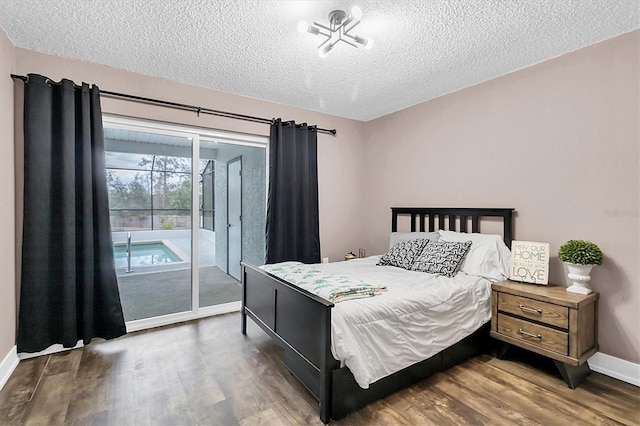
{"type": "Point", "coordinates": [547, 313]}
{"type": "Point", "coordinates": [539, 335]}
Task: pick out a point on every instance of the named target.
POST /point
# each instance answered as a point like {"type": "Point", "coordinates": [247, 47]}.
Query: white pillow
{"type": "Point", "coordinates": [488, 256]}
{"type": "Point", "coordinates": [400, 237]}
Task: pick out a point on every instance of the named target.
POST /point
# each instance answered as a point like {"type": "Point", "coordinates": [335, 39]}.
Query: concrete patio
{"type": "Point", "coordinates": [167, 292]}
{"type": "Point", "coordinates": [154, 290]}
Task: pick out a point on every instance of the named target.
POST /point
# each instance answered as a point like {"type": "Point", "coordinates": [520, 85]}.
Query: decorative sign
{"type": "Point", "coordinates": [529, 262]}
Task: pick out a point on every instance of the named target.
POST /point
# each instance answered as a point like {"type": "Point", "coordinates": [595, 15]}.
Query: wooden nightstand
{"type": "Point", "coordinates": [549, 321]}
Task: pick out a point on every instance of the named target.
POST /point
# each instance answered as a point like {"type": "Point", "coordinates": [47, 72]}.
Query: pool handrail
{"type": "Point", "coordinates": [129, 269]}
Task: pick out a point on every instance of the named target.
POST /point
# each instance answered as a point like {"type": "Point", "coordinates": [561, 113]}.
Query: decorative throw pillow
{"type": "Point", "coordinates": [403, 254]}
{"type": "Point", "coordinates": [442, 257]}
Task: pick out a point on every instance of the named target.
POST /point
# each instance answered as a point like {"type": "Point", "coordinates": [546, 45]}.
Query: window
{"type": "Point", "coordinates": [187, 205]}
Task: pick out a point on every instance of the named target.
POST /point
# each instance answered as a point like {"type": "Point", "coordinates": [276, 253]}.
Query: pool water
{"type": "Point", "coordinates": [144, 254]}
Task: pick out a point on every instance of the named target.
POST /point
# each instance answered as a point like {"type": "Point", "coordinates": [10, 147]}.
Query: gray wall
{"type": "Point", "coordinates": [254, 189]}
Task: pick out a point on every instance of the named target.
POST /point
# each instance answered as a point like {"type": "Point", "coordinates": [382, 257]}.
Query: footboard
{"type": "Point", "coordinates": [300, 322]}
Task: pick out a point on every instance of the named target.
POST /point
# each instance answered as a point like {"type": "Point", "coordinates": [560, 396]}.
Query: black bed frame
{"type": "Point", "coordinates": [301, 323]}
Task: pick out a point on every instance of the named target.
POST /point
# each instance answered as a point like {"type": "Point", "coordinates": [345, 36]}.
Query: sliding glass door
{"type": "Point", "coordinates": [233, 199]}
{"type": "Point", "coordinates": [149, 180]}
{"type": "Point", "coordinates": [187, 206]}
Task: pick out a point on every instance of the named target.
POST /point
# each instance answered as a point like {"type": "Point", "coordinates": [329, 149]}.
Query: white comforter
{"type": "Point", "coordinates": [420, 315]}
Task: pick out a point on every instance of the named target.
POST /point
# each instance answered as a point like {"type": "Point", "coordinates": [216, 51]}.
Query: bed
{"type": "Point", "coordinates": [301, 322]}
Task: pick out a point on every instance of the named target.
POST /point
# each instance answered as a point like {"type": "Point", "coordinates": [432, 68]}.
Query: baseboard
{"type": "Point", "coordinates": [8, 364]}
{"type": "Point", "coordinates": [615, 367]}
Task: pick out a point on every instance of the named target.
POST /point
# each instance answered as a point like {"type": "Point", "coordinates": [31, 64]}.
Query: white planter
{"type": "Point", "coordinates": [580, 276]}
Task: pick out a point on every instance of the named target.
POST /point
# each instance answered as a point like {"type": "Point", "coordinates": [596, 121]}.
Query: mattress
{"type": "Point", "coordinates": [418, 316]}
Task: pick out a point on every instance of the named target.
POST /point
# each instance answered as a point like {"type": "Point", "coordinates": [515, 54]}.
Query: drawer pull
{"type": "Point", "coordinates": [530, 310]}
{"type": "Point", "coordinates": [524, 333]}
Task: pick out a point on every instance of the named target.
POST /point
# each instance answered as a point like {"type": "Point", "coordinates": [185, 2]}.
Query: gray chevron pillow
{"type": "Point", "coordinates": [403, 254]}
{"type": "Point", "coordinates": [442, 257]}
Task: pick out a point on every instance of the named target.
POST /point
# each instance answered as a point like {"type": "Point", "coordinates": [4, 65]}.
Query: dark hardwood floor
{"type": "Point", "coordinates": [205, 372]}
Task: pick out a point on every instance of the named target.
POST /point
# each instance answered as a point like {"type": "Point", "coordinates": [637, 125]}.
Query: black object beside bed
{"type": "Point", "coordinates": [301, 322]}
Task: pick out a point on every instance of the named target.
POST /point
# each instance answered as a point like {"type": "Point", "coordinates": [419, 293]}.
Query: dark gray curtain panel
{"type": "Point", "coordinates": [69, 289]}
{"type": "Point", "coordinates": [293, 231]}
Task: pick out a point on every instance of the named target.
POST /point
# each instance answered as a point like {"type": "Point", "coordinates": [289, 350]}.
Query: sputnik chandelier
{"type": "Point", "coordinates": [340, 24]}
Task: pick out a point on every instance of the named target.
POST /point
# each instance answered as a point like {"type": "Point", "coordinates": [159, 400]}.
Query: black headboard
{"type": "Point", "coordinates": [427, 215]}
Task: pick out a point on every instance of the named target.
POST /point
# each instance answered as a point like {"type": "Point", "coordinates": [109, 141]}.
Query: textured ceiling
{"type": "Point", "coordinates": [423, 49]}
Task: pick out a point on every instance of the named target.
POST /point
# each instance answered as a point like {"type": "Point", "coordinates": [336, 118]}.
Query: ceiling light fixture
{"type": "Point", "coordinates": [338, 30]}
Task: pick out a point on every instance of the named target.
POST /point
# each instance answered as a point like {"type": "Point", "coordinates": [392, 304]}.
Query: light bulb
{"type": "Point", "coordinates": [324, 51]}
{"type": "Point", "coordinates": [356, 12]}
{"type": "Point", "coordinates": [303, 26]}
{"type": "Point", "coordinates": [366, 42]}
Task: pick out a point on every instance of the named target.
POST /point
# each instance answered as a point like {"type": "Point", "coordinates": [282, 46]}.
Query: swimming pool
{"type": "Point", "coordinates": [144, 254]}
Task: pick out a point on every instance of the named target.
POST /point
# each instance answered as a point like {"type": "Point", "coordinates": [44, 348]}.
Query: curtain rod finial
{"type": "Point", "coordinates": [20, 77]}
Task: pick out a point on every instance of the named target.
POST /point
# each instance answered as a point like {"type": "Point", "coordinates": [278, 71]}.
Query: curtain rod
{"type": "Point", "coordinates": [187, 107]}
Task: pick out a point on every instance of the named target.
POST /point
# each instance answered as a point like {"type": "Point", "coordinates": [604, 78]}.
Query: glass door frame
{"type": "Point", "coordinates": [195, 135]}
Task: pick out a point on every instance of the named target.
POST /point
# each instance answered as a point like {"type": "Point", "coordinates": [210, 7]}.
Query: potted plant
{"type": "Point", "coordinates": [580, 256]}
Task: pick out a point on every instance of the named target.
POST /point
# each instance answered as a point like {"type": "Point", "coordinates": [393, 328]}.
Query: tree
{"type": "Point", "coordinates": [134, 194]}
{"type": "Point", "coordinates": [171, 181]}
{"type": "Point", "coordinates": [163, 183]}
